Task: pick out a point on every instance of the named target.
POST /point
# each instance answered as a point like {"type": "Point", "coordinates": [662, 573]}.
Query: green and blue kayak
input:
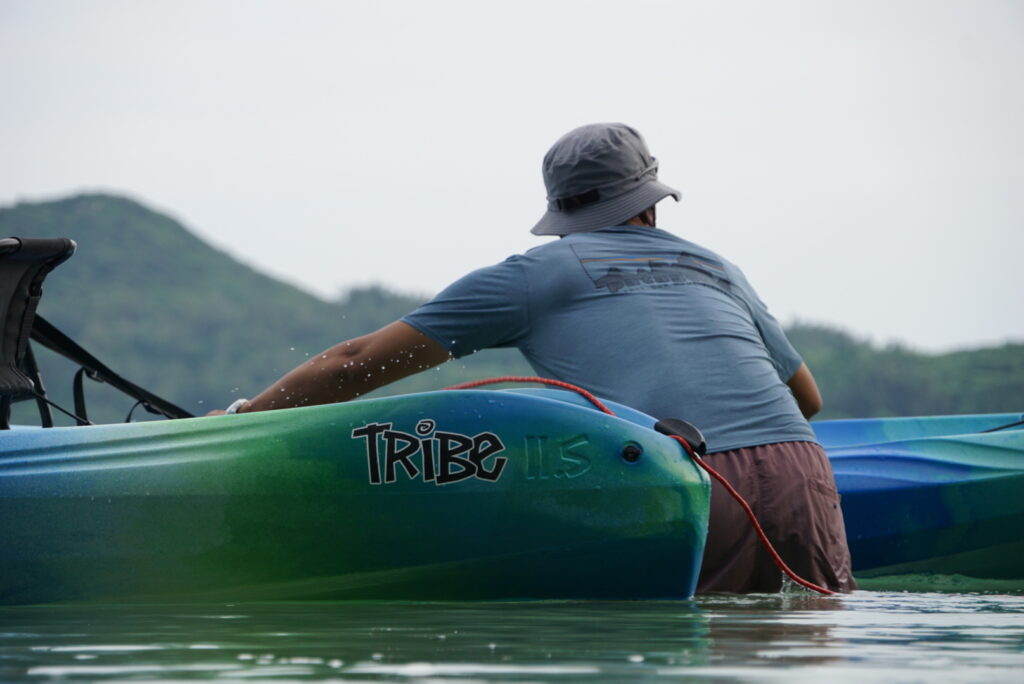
{"type": "Point", "coordinates": [443, 495]}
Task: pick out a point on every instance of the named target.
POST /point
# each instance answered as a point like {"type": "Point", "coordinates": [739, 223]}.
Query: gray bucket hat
{"type": "Point", "coordinates": [596, 176]}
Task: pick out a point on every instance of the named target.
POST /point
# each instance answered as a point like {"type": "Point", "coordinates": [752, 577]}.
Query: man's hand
{"type": "Point", "coordinates": [805, 390]}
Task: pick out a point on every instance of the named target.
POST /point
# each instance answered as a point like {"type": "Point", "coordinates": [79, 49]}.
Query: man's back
{"type": "Point", "coordinates": [639, 316]}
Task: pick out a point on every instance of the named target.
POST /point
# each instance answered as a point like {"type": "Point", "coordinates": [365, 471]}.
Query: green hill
{"type": "Point", "coordinates": [196, 326]}
{"type": "Point", "coordinates": [187, 321]}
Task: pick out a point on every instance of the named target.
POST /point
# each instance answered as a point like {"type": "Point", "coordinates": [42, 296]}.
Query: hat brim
{"type": "Point", "coordinates": [610, 212]}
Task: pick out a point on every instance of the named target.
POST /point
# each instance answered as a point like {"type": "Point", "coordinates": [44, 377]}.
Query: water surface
{"type": "Point", "coordinates": [792, 637]}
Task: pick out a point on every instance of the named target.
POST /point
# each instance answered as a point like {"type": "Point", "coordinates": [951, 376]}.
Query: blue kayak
{"type": "Point", "coordinates": [927, 499]}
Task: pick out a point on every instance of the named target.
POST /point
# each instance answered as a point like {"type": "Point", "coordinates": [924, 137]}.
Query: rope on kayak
{"type": "Point", "coordinates": [544, 381]}
{"type": "Point", "coordinates": [686, 447]}
{"type": "Point", "coordinates": [1004, 427]}
{"type": "Point", "coordinates": [753, 520]}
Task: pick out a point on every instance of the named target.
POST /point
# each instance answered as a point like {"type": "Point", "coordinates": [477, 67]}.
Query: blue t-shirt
{"type": "Point", "coordinates": [638, 316]}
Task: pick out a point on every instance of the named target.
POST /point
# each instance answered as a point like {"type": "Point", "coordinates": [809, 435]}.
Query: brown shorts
{"type": "Point", "coordinates": [791, 489]}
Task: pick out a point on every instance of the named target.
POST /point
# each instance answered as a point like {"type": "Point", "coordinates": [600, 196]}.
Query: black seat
{"type": "Point", "coordinates": [24, 264]}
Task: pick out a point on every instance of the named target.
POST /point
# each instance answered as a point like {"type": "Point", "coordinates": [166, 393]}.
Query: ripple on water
{"type": "Point", "coordinates": [794, 637]}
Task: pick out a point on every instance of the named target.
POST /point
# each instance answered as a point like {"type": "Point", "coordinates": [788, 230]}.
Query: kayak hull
{"type": "Point", "coordinates": [444, 495]}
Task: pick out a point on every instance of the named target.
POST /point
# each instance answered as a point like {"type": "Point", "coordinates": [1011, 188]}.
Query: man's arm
{"type": "Point", "coordinates": [353, 368]}
{"type": "Point", "coordinates": [808, 398]}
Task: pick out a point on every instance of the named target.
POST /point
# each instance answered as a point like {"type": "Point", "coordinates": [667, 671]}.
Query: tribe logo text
{"type": "Point", "coordinates": [437, 456]}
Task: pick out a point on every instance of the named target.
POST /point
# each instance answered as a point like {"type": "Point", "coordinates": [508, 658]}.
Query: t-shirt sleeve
{"type": "Point", "coordinates": [785, 357]}
{"type": "Point", "coordinates": [487, 308]}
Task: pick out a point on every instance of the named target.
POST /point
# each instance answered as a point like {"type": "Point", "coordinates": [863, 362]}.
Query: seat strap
{"type": "Point", "coordinates": [53, 339]}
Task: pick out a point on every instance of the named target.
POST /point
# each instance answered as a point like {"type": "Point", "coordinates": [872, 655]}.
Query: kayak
{"type": "Point", "coordinates": [934, 502]}
{"type": "Point", "coordinates": [443, 495]}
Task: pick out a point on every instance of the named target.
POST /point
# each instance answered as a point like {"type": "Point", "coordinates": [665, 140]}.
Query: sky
{"type": "Point", "coordinates": [861, 161]}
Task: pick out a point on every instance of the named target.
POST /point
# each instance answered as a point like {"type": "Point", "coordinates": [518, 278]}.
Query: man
{"type": "Point", "coordinates": [639, 316]}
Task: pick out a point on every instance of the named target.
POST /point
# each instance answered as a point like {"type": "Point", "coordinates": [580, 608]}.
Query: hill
{"type": "Point", "coordinates": [195, 325]}
{"type": "Point", "coordinates": [183, 319]}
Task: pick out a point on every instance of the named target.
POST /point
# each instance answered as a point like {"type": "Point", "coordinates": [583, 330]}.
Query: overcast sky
{"type": "Point", "coordinates": [863, 162]}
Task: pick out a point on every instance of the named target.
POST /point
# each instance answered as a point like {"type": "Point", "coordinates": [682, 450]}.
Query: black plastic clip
{"type": "Point", "coordinates": [680, 428]}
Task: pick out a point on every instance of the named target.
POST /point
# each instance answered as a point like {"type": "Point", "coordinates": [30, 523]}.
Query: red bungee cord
{"type": "Point", "coordinates": [686, 447]}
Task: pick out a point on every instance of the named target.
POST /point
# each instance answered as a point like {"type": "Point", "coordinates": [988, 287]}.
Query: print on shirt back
{"type": "Point", "coordinates": [627, 272]}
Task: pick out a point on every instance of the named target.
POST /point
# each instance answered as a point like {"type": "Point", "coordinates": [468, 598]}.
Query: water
{"type": "Point", "coordinates": [866, 636]}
